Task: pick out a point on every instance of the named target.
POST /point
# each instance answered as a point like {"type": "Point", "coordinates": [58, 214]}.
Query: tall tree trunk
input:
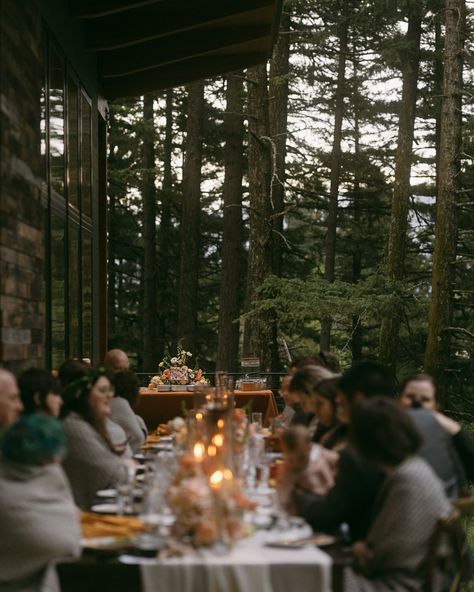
{"type": "Point", "coordinates": [111, 266]}
{"type": "Point", "coordinates": [190, 218]}
{"type": "Point", "coordinates": [278, 120]}
{"type": "Point", "coordinates": [257, 331]}
{"type": "Point", "coordinates": [150, 358]}
{"type": "Point", "coordinates": [356, 338]}
{"type": "Point", "coordinates": [401, 191]}
{"type": "Point", "coordinates": [438, 342]}
{"type": "Point", "coordinates": [231, 253]}
{"type": "Point", "coordinates": [165, 227]}
{"type": "Point", "coordinates": [438, 85]}
{"type": "Point", "coordinates": [336, 155]}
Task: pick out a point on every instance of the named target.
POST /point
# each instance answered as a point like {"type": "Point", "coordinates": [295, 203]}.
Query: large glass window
{"type": "Point", "coordinates": [66, 144]}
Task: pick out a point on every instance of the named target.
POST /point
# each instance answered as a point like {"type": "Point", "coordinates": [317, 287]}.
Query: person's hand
{"type": "Point", "coordinates": [448, 424]}
{"type": "Point", "coordinates": [363, 554]}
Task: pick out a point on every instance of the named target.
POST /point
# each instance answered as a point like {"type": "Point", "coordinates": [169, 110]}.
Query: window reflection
{"type": "Point", "coordinates": [87, 295]}
{"type": "Point", "coordinates": [66, 137]}
{"type": "Point", "coordinates": [57, 268]}
{"type": "Point", "coordinates": [56, 122]}
{"type": "Point", "coordinates": [72, 142]}
{"type": "Point", "coordinates": [86, 189]}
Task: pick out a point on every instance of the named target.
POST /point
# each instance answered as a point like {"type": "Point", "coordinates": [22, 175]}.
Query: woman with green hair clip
{"type": "Point", "coordinates": [38, 518]}
{"type": "Point", "coordinates": [98, 456]}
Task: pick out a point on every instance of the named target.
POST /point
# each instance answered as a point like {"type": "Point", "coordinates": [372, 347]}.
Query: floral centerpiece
{"type": "Point", "coordinates": [177, 371]}
{"type": "Point", "coordinates": [208, 504]}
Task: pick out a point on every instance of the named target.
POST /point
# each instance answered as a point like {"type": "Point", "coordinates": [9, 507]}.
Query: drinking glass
{"type": "Point", "coordinates": [257, 419]}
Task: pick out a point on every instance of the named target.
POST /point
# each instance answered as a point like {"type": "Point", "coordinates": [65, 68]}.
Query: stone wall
{"type": "Point", "coordinates": [21, 212]}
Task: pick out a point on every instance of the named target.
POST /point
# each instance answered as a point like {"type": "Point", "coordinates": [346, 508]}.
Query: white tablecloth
{"type": "Point", "coordinates": [249, 567]}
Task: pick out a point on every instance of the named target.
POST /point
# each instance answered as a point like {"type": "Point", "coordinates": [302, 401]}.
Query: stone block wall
{"type": "Point", "coordinates": [21, 211]}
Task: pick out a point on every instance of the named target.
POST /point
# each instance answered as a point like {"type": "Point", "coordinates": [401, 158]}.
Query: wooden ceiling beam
{"type": "Point", "coordinates": [177, 75]}
{"type": "Point", "coordinates": [183, 46]}
{"type": "Point", "coordinates": [165, 18]}
{"type": "Point", "coordinates": [89, 9]}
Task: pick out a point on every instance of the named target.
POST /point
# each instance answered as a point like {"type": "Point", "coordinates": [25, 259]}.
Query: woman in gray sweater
{"type": "Point", "coordinates": [98, 456]}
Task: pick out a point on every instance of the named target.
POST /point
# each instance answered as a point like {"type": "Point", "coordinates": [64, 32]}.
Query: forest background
{"type": "Point", "coordinates": [321, 201]}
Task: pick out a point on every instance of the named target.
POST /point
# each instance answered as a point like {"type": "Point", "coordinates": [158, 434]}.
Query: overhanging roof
{"type": "Point", "coordinates": [148, 45]}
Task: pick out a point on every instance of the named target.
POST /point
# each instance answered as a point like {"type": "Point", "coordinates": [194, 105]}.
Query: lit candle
{"type": "Point", "coordinates": [211, 450]}
{"type": "Point", "coordinates": [215, 479]}
{"type": "Point", "coordinates": [199, 416]}
{"type": "Point", "coordinates": [218, 440]}
{"type": "Point", "coordinates": [220, 423]}
{"type": "Point", "coordinates": [198, 451]}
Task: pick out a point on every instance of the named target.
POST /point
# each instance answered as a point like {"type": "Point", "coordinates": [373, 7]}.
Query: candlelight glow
{"type": "Point", "coordinates": [216, 478]}
{"type": "Point", "coordinates": [199, 416]}
{"type": "Point", "coordinates": [198, 450]}
{"type": "Point", "coordinates": [218, 440]}
{"type": "Point", "coordinates": [220, 423]}
{"type": "Point", "coordinates": [228, 474]}
{"type": "Point", "coordinates": [211, 450]}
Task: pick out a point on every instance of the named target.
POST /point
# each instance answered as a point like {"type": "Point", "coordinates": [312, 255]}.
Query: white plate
{"type": "Point", "coordinates": [106, 493]}
{"type": "Point", "coordinates": [160, 446]}
{"type": "Point", "coordinates": [105, 542]}
{"type": "Point", "coordinates": [321, 540]}
{"type": "Point", "coordinates": [136, 560]}
{"type": "Point", "coordinates": [166, 439]}
{"type": "Point", "coordinates": [104, 508]}
{"type": "Point", "coordinates": [111, 493]}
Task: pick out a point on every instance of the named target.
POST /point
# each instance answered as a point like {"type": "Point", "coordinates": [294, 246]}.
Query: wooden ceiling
{"type": "Point", "coordinates": [148, 45]}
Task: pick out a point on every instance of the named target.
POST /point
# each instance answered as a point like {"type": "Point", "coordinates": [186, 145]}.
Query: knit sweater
{"type": "Point", "coordinates": [409, 505]}
{"type": "Point", "coordinates": [39, 522]}
{"type": "Point", "coordinates": [123, 415]}
{"type": "Point", "coordinates": [89, 463]}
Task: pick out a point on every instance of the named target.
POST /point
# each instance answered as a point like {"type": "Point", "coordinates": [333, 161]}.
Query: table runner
{"type": "Point", "coordinates": [249, 567]}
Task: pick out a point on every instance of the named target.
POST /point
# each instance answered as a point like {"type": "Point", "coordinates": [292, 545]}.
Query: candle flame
{"type": "Point", "coordinates": [228, 474]}
{"type": "Point", "coordinates": [199, 416]}
{"type": "Point", "coordinates": [198, 450]}
{"type": "Point", "coordinates": [218, 440]}
{"type": "Point", "coordinates": [220, 423]}
{"type": "Point", "coordinates": [211, 450]}
{"type": "Point", "coordinates": [216, 478]}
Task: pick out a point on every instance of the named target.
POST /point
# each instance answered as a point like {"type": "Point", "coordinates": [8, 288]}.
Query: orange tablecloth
{"type": "Point", "coordinates": [159, 407]}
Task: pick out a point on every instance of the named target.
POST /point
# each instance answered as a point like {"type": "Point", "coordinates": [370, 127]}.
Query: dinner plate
{"type": "Point", "coordinates": [162, 446]}
{"type": "Point", "coordinates": [106, 543]}
{"type": "Point", "coordinates": [107, 508]}
{"type": "Point", "coordinates": [320, 540]}
{"type": "Point", "coordinates": [108, 493]}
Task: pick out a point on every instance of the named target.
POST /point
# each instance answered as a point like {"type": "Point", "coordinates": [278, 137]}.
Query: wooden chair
{"type": "Point", "coordinates": [449, 535]}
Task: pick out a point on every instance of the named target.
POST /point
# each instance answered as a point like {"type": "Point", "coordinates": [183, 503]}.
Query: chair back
{"type": "Point", "coordinates": [448, 552]}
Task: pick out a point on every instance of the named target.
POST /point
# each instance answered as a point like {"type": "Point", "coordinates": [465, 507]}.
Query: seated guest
{"type": "Point", "coordinates": [98, 456]}
{"type": "Point", "coordinates": [126, 394]}
{"type": "Point", "coordinates": [419, 391]}
{"type": "Point", "coordinates": [40, 392]}
{"type": "Point", "coordinates": [409, 504]}
{"type": "Point", "coordinates": [288, 412]}
{"type": "Point", "coordinates": [70, 371]}
{"type": "Point", "coordinates": [116, 360]}
{"type": "Point", "coordinates": [39, 522]}
{"type": "Point", "coordinates": [299, 390]}
{"type": "Point", "coordinates": [10, 401]}
{"type": "Point", "coordinates": [330, 432]}
{"type": "Point", "coordinates": [352, 498]}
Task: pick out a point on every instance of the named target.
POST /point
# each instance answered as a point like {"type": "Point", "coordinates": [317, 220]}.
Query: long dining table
{"type": "Point", "coordinates": [157, 407]}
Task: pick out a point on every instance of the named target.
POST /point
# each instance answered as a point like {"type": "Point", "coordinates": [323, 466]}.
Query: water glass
{"type": "Point", "coordinates": [257, 419]}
